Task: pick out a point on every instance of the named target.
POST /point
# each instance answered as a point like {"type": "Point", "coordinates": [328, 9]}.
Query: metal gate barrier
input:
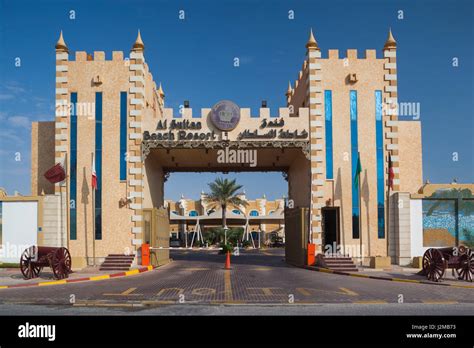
{"type": "Point", "coordinates": [296, 235]}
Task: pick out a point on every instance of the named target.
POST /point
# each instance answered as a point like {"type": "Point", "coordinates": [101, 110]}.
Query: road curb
{"type": "Point", "coordinates": [401, 280]}
{"type": "Point", "coordinates": [79, 280]}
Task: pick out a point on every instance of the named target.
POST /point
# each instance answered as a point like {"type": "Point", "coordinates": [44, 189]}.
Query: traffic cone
{"type": "Point", "coordinates": [227, 260]}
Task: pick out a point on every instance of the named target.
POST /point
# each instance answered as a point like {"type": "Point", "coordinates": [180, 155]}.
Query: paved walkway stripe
{"type": "Point", "coordinates": [361, 275]}
{"type": "Point", "coordinates": [439, 302]}
{"type": "Point", "coordinates": [228, 287]}
{"type": "Point", "coordinates": [77, 280]}
{"type": "Point", "coordinates": [349, 292]}
{"type": "Point", "coordinates": [370, 302]}
{"type": "Point", "coordinates": [127, 292]}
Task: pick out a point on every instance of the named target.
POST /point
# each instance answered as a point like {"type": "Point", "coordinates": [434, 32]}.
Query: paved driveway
{"type": "Point", "coordinates": [256, 277]}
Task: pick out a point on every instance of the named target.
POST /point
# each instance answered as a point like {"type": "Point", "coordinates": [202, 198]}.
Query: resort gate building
{"type": "Point", "coordinates": [113, 113]}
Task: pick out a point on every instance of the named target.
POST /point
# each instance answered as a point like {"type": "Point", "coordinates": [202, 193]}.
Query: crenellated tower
{"type": "Point", "coordinates": [391, 107]}
{"type": "Point", "coordinates": [314, 102]}
{"type": "Point", "coordinates": [136, 114]}
{"type": "Point", "coordinates": [61, 136]}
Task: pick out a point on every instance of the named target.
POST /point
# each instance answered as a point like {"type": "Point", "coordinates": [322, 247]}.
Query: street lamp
{"type": "Point", "coordinates": [225, 234]}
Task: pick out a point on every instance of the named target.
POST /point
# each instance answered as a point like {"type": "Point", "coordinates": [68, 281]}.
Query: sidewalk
{"type": "Point", "coordinates": [12, 277]}
{"type": "Point", "coordinates": [400, 274]}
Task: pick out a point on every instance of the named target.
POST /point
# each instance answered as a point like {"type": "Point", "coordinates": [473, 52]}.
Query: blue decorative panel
{"type": "Point", "coordinates": [98, 165]}
{"type": "Point", "coordinates": [328, 124]}
{"type": "Point", "coordinates": [73, 169]}
{"type": "Point", "coordinates": [354, 157]}
{"type": "Point", "coordinates": [123, 135]}
{"type": "Point", "coordinates": [380, 166]}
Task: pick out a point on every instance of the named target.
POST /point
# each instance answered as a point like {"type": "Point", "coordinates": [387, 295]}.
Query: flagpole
{"type": "Point", "coordinates": [67, 200]}
{"type": "Point", "coordinates": [60, 215]}
{"type": "Point", "coordinates": [360, 214]}
{"type": "Point", "coordinates": [93, 215]}
{"type": "Point", "coordinates": [388, 206]}
{"type": "Point", "coordinates": [388, 221]}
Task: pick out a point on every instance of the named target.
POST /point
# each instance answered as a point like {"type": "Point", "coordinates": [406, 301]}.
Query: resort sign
{"type": "Point", "coordinates": [225, 115]}
{"type": "Point", "coordinates": [179, 130]}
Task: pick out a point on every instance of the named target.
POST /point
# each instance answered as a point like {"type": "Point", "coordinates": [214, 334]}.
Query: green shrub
{"type": "Point", "coordinates": [9, 265]}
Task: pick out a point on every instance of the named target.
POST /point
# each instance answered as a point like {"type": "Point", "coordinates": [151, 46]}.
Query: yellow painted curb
{"type": "Point", "coordinates": [324, 270]}
{"type": "Point", "coordinates": [71, 281]}
{"type": "Point", "coordinates": [106, 276]}
{"type": "Point", "coordinates": [55, 282]}
{"type": "Point", "coordinates": [406, 280]}
{"type": "Point", "coordinates": [439, 302]}
{"type": "Point", "coordinates": [359, 275]}
{"type": "Point", "coordinates": [463, 286]}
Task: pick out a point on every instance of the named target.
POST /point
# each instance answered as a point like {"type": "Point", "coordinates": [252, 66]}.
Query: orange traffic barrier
{"type": "Point", "coordinates": [145, 254]}
{"type": "Point", "coordinates": [227, 260]}
{"type": "Point", "coordinates": [311, 254]}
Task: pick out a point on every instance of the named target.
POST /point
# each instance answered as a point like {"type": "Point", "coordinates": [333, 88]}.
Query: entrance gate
{"type": "Point", "coordinates": [296, 235]}
{"type": "Point", "coordinates": [156, 231]}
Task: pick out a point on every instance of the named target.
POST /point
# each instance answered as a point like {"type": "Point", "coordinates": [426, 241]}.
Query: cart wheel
{"type": "Point", "coordinates": [465, 268]}
{"type": "Point", "coordinates": [27, 263]}
{"type": "Point", "coordinates": [434, 264]}
{"type": "Point", "coordinates": [61, 263]}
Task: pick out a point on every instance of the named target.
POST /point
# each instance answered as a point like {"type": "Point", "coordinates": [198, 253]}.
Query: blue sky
{"type": "Point", "coordinates": [194, 61]}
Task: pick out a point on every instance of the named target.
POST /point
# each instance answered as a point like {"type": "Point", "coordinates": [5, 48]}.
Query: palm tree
{"type": "Point", "coordinates": [224, 193]}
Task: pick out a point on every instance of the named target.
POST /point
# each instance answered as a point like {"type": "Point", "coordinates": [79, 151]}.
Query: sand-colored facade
{"type": "Point", "coordinates": [301, 155]}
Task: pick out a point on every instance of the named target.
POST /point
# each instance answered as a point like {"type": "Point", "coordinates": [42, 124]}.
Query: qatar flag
{"type": "Point", "coordinates": [94, 174]}
{"type": "Point", "coordinates": [56, 173]}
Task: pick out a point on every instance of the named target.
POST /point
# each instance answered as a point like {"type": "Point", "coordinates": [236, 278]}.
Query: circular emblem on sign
{"type": "Point", "coordinates": [225, 115]}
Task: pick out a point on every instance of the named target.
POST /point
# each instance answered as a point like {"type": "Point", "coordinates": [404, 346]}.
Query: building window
{"type": "Point", "coordinates": [98, 165]}
{"type": "Point", "coordinates": [328, 126]}
{"type": "Point", "coordinates": [193, 213]}
{"type": "Point", "coordinates": [354, 157]}
{"type": "Point", "coordinates": [254, 213]}
{"type": "Point", "coordinates": [235, 211]}
{"type": "Point", "coordinates": [380, 166]}
{"type": "Point", "coordinates": [73, 170]}
{"type": "Point", "coordinates": [123, 135]}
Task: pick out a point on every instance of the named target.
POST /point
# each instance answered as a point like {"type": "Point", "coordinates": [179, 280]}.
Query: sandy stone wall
{"type": "Point", "coordinates": [42, 156]}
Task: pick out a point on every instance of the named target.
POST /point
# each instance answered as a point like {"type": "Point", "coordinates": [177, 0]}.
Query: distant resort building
{"type": "Point", "coordinates": [261, 218]}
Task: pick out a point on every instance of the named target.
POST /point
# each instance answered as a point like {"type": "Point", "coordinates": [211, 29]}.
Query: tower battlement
{"type": "Point", "coordinates": [246, 113]}
{"type": "Point", "coordinates": [82, 56]}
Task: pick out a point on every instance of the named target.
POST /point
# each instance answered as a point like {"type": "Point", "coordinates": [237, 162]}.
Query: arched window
{"type": "Point", "coordinates": [193, 213]}
{"type": "Point", "coordinates": [254, 213]}
{"type": "Point", "coordinates": [236, 211]}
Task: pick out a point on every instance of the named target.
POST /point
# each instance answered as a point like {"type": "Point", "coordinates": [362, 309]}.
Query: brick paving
{"type": "Point", "coordinates": [199, 277]}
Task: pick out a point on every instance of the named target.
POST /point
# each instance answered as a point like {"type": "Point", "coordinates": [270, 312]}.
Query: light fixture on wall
{"type": "Point", "coordinates": [124, 201]}
{"type": "Point", "coordinates": [352, 78]}
{"type": "Point", "coordinates": [96, 81]}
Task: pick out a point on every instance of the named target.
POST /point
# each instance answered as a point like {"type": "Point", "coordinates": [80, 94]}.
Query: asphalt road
{"type": "Point", "coordinates": [258, 283]}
